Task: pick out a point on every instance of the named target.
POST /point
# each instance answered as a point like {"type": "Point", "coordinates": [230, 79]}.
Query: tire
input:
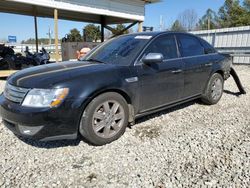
{"type": "Point", "coordinates": [214, 90]}
{"type": "Point", "coordinates": [4, 65]}
{"type": "Point", "coordinates": [105, 119]}
{"type": "Point", "coordinates": [11, 62]}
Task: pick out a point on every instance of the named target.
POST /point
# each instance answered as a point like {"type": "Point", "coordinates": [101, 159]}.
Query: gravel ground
{"type": "Point", "coordinates": [190, 145]}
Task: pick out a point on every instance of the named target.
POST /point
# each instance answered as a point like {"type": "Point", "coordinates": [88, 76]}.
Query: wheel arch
{"type": "Point", "coordinates": [206, 96]}
{"type": "Point", "coordinates": [219, 71]}
{"type": "Point", "coordinates": [121, 92]}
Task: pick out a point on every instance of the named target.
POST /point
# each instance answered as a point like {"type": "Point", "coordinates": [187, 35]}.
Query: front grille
{"type": "Point", "coordinates": [15, 94]}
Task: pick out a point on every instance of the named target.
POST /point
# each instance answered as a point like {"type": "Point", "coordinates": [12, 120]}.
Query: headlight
{"type": "Point", "coordinates": [45, 97]}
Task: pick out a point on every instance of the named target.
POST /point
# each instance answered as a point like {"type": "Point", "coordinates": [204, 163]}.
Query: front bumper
{"type": "Point", "coordinates": [43, 124]}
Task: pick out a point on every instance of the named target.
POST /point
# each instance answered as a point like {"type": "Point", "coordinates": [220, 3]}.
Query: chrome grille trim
{"type": "Point", "coordinates": [15, 94]}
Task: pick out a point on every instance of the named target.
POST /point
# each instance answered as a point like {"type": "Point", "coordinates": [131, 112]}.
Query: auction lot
{"type": "Point", "coordinates": [189, 145]}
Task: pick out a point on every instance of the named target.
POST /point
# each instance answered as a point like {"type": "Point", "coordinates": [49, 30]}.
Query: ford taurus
{"type": "Point", "coordinates": [122, 79]}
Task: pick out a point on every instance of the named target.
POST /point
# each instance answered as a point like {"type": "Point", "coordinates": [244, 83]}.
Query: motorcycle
{"type": "Point", "coordinates": [36, 59]}
{"type": "Point", "coordinates": [11, 61]}
{"type": "Point", "coordinates": [7, 58]}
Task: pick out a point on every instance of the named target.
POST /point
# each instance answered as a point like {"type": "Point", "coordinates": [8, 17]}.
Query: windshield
{"type": "Point", "coordinates": [122, 50]}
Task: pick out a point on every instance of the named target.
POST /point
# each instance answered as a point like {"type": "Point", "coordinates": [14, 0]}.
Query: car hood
{"type": "Point", "coordinates": [46, 76]}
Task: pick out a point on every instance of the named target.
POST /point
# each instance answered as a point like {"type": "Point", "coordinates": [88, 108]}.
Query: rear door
{"type": "Point", "coordinates": [197, 64]}
{"type": "Point", "coordinates": [160, 83]}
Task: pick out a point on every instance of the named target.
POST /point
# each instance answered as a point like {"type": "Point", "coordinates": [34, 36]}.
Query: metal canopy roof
{"type": "Point", "coordinates": [113, 11]}
{"type": "Point", "coordinates": [104, 12]}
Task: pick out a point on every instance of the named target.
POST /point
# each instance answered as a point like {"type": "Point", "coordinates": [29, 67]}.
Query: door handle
{"type": "Point", "coordinates": [208, 64]}
{"type": "Point", "coordinates": [177, 71]}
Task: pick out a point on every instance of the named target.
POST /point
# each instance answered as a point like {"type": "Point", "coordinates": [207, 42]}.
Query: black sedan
{"type": "Point", "coordinates": [119, 81]}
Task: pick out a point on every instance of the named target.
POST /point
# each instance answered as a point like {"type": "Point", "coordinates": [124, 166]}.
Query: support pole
{"type": "Point", "coordinates": [140, 26]}
{"type": "Point", "coordinates": [102, 28]}
{"type": "Point", "coordinates": [36, 32]}
{"type": "Point", "coordinates": [56, 35]}
{"type": "Point", "coordinates": [110, 28]}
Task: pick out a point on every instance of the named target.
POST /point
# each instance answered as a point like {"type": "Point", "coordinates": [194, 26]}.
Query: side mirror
{"type": "Point", "coordinates": [153, 58]}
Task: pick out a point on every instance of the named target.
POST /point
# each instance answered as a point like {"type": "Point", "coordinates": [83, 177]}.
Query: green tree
{"type": "Point", "coordinates": [246, 5]}
{"type": "Point", "coordinates": [208, 21]}
{"type": "Point", "coordinates": [40, 41]}
{"type": "Point", "coordinates": [177, 26]}
{"type": "Point", "coordinates": [118, 30]}
{"type": "Point", "coordinates": [74, 36]}
{"type": "Point", "coordinates": [232, 14]}
{"type": "Point", "coordinates": [92, 32]}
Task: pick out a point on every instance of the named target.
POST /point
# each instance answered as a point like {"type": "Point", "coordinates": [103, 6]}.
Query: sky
{"type": "Point", "coordinates": [23, 26]}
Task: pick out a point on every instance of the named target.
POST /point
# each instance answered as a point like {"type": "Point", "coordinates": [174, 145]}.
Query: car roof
{"type": "Point", "coordinates": [156, 33]}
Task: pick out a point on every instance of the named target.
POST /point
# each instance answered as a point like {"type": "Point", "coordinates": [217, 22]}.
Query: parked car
{"type": "Point", "coordinates": [124, 78]}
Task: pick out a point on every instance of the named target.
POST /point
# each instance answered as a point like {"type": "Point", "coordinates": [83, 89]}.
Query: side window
{"type": "Point", "coordinates": [208, 48]}
{"type": "Point", "coordinates": [166, 45]}
{"type": "Point", "coordinates": [190, 46]}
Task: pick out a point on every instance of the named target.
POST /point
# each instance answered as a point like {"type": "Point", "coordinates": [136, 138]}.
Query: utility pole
{"type": "Point", "coordinates": [50, 34]}
{"type": "Point", "coordinates": [208, 25]}
{"type": "Point", "coordinates": [209, 22]}
{"type": "Point", "coordinates": [161, 23]}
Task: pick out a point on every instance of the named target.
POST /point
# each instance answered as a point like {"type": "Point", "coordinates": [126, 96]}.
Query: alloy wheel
{"type": "Point", "coordinates": [108, 119]}
{"type": "Point", "coordinates": [217, 87]}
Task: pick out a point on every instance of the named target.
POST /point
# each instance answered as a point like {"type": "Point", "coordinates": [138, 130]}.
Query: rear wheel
{"type": "Point", "coordinates": [214, 90]}
{"type": "Point", "coordinates": [105, 119]}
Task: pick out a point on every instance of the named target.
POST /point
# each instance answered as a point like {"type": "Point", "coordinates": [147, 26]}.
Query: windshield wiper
{"type": "Point", "coordinates": [95, 60]}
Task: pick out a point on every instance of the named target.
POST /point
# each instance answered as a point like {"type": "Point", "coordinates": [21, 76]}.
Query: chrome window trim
{"type": "Point", "coordinates": [180, 58]}
{"type": "Point", "coordinates": [139, 63]}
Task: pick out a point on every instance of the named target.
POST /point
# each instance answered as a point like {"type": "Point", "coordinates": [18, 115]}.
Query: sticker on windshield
{"type": "Point", "coordinates": [144, 37]}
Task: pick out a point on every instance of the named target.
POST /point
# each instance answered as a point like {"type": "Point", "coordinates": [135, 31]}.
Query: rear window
{"type": "Point", "coordinates": [190, 46]}
{"type": "Point", "coordinates": [208, 48]}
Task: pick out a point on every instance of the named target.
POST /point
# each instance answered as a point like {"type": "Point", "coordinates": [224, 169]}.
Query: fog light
{"type": "Point", "coordinates": [30, 131]}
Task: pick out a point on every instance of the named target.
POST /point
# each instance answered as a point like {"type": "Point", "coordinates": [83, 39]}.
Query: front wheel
{"type": "Point", "coordinates": [105, 119]}
{"type": "Point", "coordinates": [214, 90]}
